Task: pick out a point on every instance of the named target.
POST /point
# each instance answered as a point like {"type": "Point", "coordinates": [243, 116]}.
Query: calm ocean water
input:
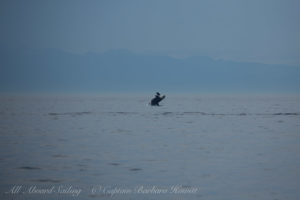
{"type": "Point", "coordinates": [119, 147]}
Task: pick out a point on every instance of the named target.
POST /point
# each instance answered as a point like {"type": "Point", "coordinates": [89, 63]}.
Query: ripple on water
{"type": "Point", "coordinates": [135, 169]}
{"type": "Point", "coordinates": [59, 156]}
{"type": "Point", "coordinates": [46, 180]}
{"type": "Point", "coordinates": [29, 168]}
{"type": "Point", "coordinates": [73, 114]}
{"type": "Point", "coordinates": [114, 164]}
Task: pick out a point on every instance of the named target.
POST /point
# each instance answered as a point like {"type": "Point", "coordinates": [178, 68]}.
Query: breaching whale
{"type": "Point", "coordinates": [155, 101]}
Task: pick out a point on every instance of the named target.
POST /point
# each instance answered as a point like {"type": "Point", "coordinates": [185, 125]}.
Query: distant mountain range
{"type": "Point", "coordinates": [52, 70]}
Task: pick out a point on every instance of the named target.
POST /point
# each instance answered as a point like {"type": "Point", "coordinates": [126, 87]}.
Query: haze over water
{"type": "Point", "coordinates": [216, 147]}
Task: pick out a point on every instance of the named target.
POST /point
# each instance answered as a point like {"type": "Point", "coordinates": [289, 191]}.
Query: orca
{"type": "Point", "coordinates": [155, 101]}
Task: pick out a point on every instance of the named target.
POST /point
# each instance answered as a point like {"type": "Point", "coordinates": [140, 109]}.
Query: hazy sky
{"type": "Point", "coordinates": [248, 30]}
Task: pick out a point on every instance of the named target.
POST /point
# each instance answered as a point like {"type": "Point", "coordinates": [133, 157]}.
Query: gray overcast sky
{"type": "Point", "coordinates": [265, 31]}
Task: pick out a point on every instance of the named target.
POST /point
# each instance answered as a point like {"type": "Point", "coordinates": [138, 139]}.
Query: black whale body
{"type": "Point", "coordinates": [155, 101]}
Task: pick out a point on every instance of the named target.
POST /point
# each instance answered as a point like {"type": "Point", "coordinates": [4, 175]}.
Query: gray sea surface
{"type": "Point", "coordinates": [118, 147]}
